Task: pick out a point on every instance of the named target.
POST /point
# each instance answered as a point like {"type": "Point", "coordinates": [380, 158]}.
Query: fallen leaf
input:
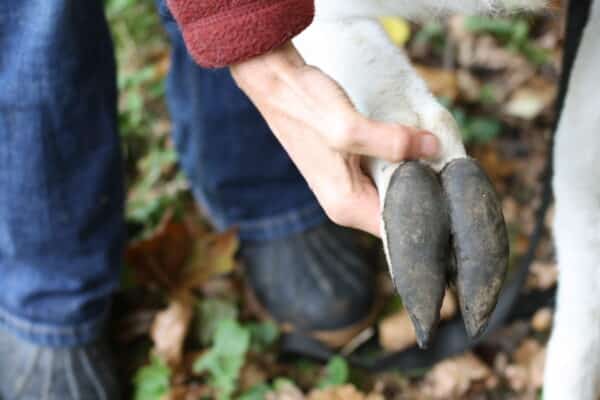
{"type": "Point", "coordinates": [527, 370]}
{"type": "Point", "coordinates": [346, 392]}
{"type": "Point", "coordinates": [158, 258]}
{"type": "Point", "coordinates": [251, 376]}
{"type": "Point", "coordinates": [497, 167]}
{"type": "Point", "coordinates": [285, 391]}
{"type": "Point", "coordinates": [528, 102]}
{"type": "Point", "coordinates": [188, 392]}
{"type": "Point", "coordinates": [542, 275]}
{"type": "Point", "coordinates": [212, 255]}
{"type": "Point", "coordinates": [542, 320]}
{"type": "Point", "coordinates": [396, 332]}
{"type": "Point", "coordinates": [452, 378]}
{"type": "Point", "coordinates": [442, 82]}
{"type": "Point", "coordinates": [449, 306]}
{"type": "Point", "coordinates": [170, 328]}
{"type": "Point", "coordinates": [468, 85]}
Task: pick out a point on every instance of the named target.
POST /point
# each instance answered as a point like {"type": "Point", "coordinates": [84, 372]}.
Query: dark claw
{"type": "Point", "coordinates": [418, 239]}
{"type": "Point", "coordinates": [480, 241]}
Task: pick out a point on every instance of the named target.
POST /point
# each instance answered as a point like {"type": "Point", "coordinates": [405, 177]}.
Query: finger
{"type": "Point", "coordinates": [367, 216]}
{"type": "Point", "coordinates": [390, 142]}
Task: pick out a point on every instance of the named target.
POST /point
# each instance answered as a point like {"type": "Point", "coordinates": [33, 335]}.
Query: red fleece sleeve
{"type": "Point", "coordinates": [222, 32]}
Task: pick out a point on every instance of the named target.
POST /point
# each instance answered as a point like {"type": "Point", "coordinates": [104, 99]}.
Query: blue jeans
{"type": "Point", "coordinates": [61, 181]}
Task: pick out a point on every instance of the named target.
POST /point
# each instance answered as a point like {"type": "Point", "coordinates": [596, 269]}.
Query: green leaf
{"type": "Point", "coordinates": [263, 335]}
{"type": "Point", "coordinates": [484, 129]}
{"type": "Point", "coordinates": [258, 392]}
{"type": "Point", "coordinates": [225, 358]}
{"type": "Point", "coordinates": [152, 381]}
{"type": "Point", "coordinates": [487, 95]}
{"type": "Point", "coordinates": [337, 373]}
{"type": "Point", "coordinates": [280, 383]}
{"type": "Point", "coordinates": [209, 313]}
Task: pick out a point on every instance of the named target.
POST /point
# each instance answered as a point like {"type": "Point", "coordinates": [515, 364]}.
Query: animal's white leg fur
{"type": "Point", "coordinates": [573, 361]}
{"type": "Point", "coordinates": [347, 42]}
{"type": "Point", "coordinates": [420, 9]}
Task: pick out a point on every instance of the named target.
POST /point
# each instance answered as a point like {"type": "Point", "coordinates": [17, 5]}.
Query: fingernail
{"type": "Point", "coordinates": [429, 146]}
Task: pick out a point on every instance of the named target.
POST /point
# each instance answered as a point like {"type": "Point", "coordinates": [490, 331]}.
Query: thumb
{"type": "Point", "coordinates": [387, 141]}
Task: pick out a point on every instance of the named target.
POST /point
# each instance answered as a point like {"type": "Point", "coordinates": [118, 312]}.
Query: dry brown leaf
{"type": "Point", "coordinates": [497, 167]}
{"type": "Point", "coordinates": [345, 392]}
{"type": "Point", "coordinates": [442, 82]}
{"type": "Point", "coordinates": [530, 101]}
{"type": "Point", "coordinates": [177, 257]}
{"type": "Point", "coordinates": [469, 85]}
{"type": "Point", "coordinates": [188, 392]}
{"type": "Point", "coordinates": [170, 328]}
{"type": "Point", "coordinates": [449, 306]}
{"type": "Point", "coordinates": [542, 320]}
{"type": "Point", "coordinates": [287, 391]}
{"type": "Point", "coordinates": [542, 276]}
{"type": "Point", "coordinates": [251, 375]}
{"type": "Point", "coordinates": [158, 259]}
{"type": "Point", "coordinates": [452, 378]}
{"type": "Point", "coordinates": [396, 332]}
{"type": "Point", "coordinates": [212, 255]}
{"type": "Point", "coordinates": [527, 370]}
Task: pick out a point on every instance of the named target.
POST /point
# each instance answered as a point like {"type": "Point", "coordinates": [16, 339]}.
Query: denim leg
{"type": "Point", "coordinates": [238, 170]}
{"type": "Point", "coordinates": [61, 194]}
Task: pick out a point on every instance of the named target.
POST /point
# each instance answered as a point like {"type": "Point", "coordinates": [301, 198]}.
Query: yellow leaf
{"type": "Point", "coordinates": [397, 29]}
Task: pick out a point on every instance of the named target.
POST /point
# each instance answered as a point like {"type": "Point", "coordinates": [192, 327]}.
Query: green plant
{"type": "Point", "coordinates": [336, 373]}
{"type": "Point", "coordinates": [209, 313]}
{"type": "Point", "coordinates": [514, 33]}
{"type": "Point", "coordinates": [477, 129]}
{"type": "Point", "coordinates": [152, 381]}
{"type": "Point", "coordinates": [224, 360]}
{"type": "Point", "coordinates": [257, 392]}
{"type": "Point", "coordinates": [433, 34]}
{"type": "Point", "coordinates": [263, 335]}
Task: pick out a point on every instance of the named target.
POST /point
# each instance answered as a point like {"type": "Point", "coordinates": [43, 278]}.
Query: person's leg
{"type": "Point", "coordinates": [302, 268]}
{"type": "Point", "coordinates": [237, 168]}
{"type": "Point", "coordinates": [61, 197]}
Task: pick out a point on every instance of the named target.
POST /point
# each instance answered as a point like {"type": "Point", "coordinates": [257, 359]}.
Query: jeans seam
{"type": "Point", "coordinates": [281, 219]}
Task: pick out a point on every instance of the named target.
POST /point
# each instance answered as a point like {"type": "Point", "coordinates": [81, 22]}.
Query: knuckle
{"type": "Point", "coordinates": [344, 136]}
{"type": "Point", "coordinates": [400, 146]}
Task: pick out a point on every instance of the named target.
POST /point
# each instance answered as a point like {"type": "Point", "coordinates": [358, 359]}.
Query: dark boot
{"type": "Point", "coordinates": [318, 282]}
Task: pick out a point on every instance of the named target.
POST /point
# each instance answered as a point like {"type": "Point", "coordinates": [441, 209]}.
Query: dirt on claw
{"type": "Point", "coordinates": [418, 243]}
{"type": "Point", "coordinates": [479, 238]}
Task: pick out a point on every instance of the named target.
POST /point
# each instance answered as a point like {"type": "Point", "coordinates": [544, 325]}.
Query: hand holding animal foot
{"type": "Point", "coordinates": [441, 229]}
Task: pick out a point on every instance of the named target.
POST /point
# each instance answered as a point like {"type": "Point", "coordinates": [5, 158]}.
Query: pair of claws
{"type": "Point", "coordinates": [440, 229]}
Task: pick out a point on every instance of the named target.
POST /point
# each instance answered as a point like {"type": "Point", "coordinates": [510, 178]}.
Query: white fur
{"type": "Point", "coordinates": [573, 361]}
{"type": "Point", "coordinates": [419, 9]}
{"type": "Point", "coordinates": [347, 43]}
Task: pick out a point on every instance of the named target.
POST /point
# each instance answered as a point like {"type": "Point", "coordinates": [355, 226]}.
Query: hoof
{"type": "Point", "coordinates": [418, 243]}
{"type": "Point", "coordinates": [479, 238]}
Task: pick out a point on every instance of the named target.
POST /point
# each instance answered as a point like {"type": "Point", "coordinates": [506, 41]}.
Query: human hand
{"type": "Point", "coordinates": [325, 136]}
